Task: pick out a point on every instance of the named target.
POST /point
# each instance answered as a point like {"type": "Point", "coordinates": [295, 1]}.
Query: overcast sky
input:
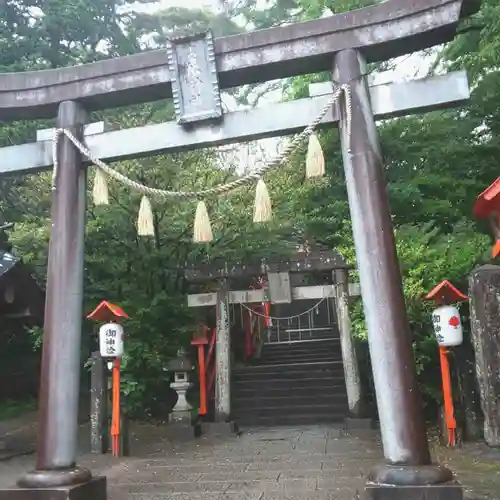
{"type": "Point", "coordinates": [408, 67]}
{"type": "Point", "coordinates": [190, 4]}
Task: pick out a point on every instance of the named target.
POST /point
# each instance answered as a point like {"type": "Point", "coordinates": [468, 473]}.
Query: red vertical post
{"type": "Point", "coordinates": [203, 379]}
{"type": "Point", "coordinates": [115, 416]}
{"type": "Point", "coordinates": [451, 423]}
{"type": "Point", "coordinates": [247, 331]}
{"type": "Point", "coordinates": [201, 341]}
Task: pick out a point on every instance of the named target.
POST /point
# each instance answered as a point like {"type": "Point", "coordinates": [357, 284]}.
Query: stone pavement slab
{"type": "Point", "coordinates": [317, 462]}
{"type": "Point", "coordinates": [306, 463]}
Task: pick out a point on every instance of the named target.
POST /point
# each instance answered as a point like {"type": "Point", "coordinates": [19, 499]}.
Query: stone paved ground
{"type": "Point", "coordinates": [310, 462]}
{"type": "Point", "coordinates": [316, 463]}
{"type": "Point", "coordinates": [17, 435]}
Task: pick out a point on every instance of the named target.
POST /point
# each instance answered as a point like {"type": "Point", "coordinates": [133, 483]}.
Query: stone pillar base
{"type": "Point", "coordinates": [412, 482]}
{"type": "Point", "coordinates": [449, 491]}
{"type": "Point", "coordinates": [410, 475]}
{"type": "Point", "coordinates": [95, 489]}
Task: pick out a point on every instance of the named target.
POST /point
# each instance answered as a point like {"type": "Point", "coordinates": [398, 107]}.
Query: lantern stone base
{"type": "Point", "coordinates": [182, 430]}
{"type": "Point", "coordinates": [220, 429]}
{"type": "Point", "coordinates": [95, 489]}
{"type": "Point", "coordinates": [450, 491]}
{"type": "Point", "coordinates": [180, 417]}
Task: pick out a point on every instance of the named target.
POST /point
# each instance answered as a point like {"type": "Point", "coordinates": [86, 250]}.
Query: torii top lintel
{"type": "Point", "coordinates": [382, 31]}
{"type": "Point", "coordinates": [301, 262]}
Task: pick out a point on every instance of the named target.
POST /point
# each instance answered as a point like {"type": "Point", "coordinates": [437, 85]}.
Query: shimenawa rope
{"type": "Point", "coordinates": [303, 313]}
{"type": "Point", "coordinates": [223, 188]}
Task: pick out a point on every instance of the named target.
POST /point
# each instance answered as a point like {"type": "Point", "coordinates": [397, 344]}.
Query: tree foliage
{"type": "Point", "coordinates": [436, 165]}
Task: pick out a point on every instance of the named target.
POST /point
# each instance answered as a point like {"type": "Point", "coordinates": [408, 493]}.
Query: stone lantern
{"type": "Point", "coordinates": [181, 366]}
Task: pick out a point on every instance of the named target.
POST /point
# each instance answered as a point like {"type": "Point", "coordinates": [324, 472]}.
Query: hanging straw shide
{"type": "Point", "coordinates": [262, 207]}
{"type": "Point", "coordinates": [100, 193]}
{"type": "Point", "coordinates": [315, 166]}
{"type": "Point", "coordinates": [315, 160]}
{"type": "Point", "coordinates": [145, 221]}
{"type": "Point", "coordinates": [202, 231]}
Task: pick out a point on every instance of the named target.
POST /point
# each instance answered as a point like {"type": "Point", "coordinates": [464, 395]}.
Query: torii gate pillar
{"type": "Point", "coordinates": [406, 450]}
{"type": "Point", "coordinates": [56, 474]}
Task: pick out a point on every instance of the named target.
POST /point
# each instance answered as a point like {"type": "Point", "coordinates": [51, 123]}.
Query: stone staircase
{"type": "Point", "coordinates": [294, 382]}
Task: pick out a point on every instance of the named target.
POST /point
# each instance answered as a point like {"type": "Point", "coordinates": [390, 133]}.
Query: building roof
{"type": "Point", "coordinates": [21, 297]}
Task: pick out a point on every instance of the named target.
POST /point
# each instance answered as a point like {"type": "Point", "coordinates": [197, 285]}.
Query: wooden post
{"type": "Point", "coordinates": [222, 358]}
{"type": "Point", "coordinates": [484, 293]}
{"type": "Point", "coordinates": [349, 358]}
{"type": "Point", "coordinates": [99, 433]}
{"type": "Point", "coordinates": [398, 397]}
{"type": "Point", "coordinates": [61, 363]}
{"type": "Point", "coordinates": [469, 393]}
{"type": "Point", "coordinates": [124, 447]}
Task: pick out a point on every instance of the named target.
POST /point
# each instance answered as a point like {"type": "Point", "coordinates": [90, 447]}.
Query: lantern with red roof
{"type": "Point", "coordinates": [446, 316]}
{"type": "Point", "coordinates": [449, 333]}
{"type": "Point", "coordinates": [111, 332]}
{"type": "Point", "coordinates": [111, 347]}
{"type": "Point", "coordinates": [487, 206]}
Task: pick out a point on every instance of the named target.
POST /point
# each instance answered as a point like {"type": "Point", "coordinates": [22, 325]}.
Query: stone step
{"type": "Point", "coordinates": [287, 359]}
{"type": "Point", "coordinates": [271, 378]}
{"type": "Point", "coordinates": [270, 390]}
{"type": "Point", "coordinates": [307, 345]}
{"type": "Point", "coordinates": [267, 402]}
{"type": "Point", "coordinates": [301, 354]}
{"type": "Point", "coordinates": [321, 407]}
{"type": "Point", "coordinates": [292, 419]}
{"type": "Point", "coordinates": [306, 383]}
{"type": "Point", "coordinates": [291, 371]}
{"type": "Point", "coordinates": [298, 335]}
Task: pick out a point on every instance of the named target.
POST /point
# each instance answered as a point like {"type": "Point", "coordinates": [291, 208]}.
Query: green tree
{"type": "Point", "coordinates": [435, 164]}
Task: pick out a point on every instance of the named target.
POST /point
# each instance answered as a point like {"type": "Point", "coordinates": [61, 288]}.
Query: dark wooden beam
{"type": "Point", "coordinates": [298, 263]}
{"type": "Point", "coordinates": [382, 31]}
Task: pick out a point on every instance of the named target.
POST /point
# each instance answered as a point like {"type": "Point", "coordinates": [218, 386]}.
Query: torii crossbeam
{"type": "Point", "coordinates": [342, 43]}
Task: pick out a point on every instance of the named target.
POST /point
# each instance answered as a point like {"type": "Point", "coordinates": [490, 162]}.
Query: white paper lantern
{"type": "Point", "coordinates": [111, 340]}
{"type": "Point", "coordinates": [447, 326]}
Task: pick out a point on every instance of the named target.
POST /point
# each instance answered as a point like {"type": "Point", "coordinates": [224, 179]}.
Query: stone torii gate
{"type": "Point", "coordinates": [343, 43]}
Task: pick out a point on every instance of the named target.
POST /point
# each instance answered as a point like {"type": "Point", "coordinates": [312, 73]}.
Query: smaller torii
{"type": "Point", "coordinates": [280, 291]}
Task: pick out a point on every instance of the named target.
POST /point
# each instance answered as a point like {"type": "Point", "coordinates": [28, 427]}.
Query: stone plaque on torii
{"type": "Point", "coordinates": [192, 71]}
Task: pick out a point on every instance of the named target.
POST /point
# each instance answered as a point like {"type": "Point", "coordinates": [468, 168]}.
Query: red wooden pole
{"type": "Point", "coordinates": [203, 379]}
{"type": "Point", "coordinates": [115, 416]}
{"type": "Point", "coordinates": [451, 423]}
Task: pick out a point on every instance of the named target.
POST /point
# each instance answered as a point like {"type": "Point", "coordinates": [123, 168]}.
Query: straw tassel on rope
{"type": "Point", "coordinates": [315, 166]}
{"type": "Point", "coordinates": [262, 208]}
{"type": "Point", "coordinates": [315, 160]}
{"type": "Point", "coordinates": [145, 221]}
{"type": "Point", "coordinates": [100, 193]}
{"type": "Point", "coordinates": [202, 231]}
